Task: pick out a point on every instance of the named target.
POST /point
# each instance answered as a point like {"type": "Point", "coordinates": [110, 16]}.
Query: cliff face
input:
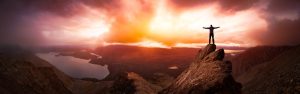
{"type": "Point", "coordinates": [208, 74]}
{"type": "Point", "coordinates": [23, 73]}
{"type": "Point", "coordinates": [255, 56]}
{"type": "Point", "coordinates": [280, 75]}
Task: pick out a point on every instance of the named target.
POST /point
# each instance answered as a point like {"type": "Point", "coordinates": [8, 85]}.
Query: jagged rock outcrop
{"type": "Point", "coordinates": [208, 74]}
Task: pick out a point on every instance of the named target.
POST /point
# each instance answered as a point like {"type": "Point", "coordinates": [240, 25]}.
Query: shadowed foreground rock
{"type": "Point", "coordinates": [208, 74]}
{"type": "Point", "coordinates": [21, 72]}
{"type": "Point", "coordinates": [280, 75]}
{"type": "Point", "coordinates": [132, 83]}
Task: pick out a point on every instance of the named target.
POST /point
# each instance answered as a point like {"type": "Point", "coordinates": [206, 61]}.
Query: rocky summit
{"type": "Point", "coordinates": [208, 74]}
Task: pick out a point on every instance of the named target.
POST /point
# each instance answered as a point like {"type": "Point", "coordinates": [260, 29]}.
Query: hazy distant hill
{"type": "Point", "coordinates": [119, 58]}
{"type": "Point", "coordinates": [145, 61]}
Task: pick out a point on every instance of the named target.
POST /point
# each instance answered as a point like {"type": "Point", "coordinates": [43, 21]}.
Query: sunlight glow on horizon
{"type": "Point", "coordinates": [165, 28]}
{"type": "Point", "coordinates": [188, 24]}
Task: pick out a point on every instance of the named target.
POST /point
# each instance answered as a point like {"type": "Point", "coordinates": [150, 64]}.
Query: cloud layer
{"type": "Point", "coordinates": [23, 21]}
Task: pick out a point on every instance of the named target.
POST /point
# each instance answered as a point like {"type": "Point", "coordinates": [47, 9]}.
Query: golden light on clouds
{"type": "Point", "coordinates": [86, 28]}
{"type": "Point", "coordinates": [151, 23]}
{"type": "Point", "coordinates": [186, 26]}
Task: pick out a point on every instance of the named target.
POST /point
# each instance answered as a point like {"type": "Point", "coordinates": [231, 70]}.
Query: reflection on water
{"type": "Point", "coordinates": [75, 67]}
{"type": "Point", "coordinates": [173, 68]}
{"type": "Point", "coordinates": [234, 51]}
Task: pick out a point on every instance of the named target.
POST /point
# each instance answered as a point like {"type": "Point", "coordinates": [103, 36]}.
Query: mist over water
{"type": "Point", "coordinates": [75, 67]}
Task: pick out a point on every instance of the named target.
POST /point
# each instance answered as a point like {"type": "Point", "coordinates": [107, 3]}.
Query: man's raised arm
{"type": "Point", "coordinates": [216, 27]}
{"type": "Point", "coordinates": [205, 27]}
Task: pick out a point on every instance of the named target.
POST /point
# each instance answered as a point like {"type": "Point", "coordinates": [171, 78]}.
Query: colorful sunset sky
{"type": "Point", "coordinates": [149, 22]}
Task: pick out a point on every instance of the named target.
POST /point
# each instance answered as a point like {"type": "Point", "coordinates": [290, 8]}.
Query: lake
{"type": "Point", "coordinates": [75, 67]}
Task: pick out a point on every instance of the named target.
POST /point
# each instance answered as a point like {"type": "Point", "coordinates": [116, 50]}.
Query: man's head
{"type": "Point", "coordinates": [211, 26]}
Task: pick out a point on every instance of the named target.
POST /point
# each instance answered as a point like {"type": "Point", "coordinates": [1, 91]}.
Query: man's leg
{"type": "Point", "coordinates": [209, 38]}
{"type": "Point", "coordinates": [213, 38]}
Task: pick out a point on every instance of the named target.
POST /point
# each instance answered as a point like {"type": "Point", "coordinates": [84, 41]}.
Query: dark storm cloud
{"type": "Point", "coordinates": [18, 15]}
{"type": "Point", "coordinates": [282, 30]}
{"type": "Point", "coordinates": [101, 3]}
{"type": "Point", "coordinates": [13, 27]}
{"type": "Point", "coordinates": [236, 5]}
{"type": "Point", "coordinates": [284, 6]}
{"type": "Point", "coordinates": [226, 5]}
{"type": "Point", "coordinates": [189, 3]}
{"type": "Point", "coordinates": [60, 7]}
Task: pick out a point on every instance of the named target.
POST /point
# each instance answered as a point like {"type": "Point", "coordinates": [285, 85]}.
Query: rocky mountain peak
{"type": "Point", "coordinates": [208, 74]}
{"type": "Point", "coordinates": [205, 51]}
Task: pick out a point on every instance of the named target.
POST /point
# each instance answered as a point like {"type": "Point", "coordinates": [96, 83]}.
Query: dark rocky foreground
{"type": "Point", "coordinates": [208, 74]}
{"type": "Point", "coordinates": [23, 73]}
{"type": "Point", "coordinates": [279, 75]}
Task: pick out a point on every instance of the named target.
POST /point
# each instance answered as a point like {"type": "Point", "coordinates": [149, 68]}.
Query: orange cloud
{"type": "Point", "coordinates": [157, 21]}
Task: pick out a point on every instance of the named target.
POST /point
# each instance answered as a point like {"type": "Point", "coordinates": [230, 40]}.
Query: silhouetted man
{"type": "Point", "coordinates": [211, 33]}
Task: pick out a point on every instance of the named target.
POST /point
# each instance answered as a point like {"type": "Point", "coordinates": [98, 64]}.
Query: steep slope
{"type": "Point", "coordinates": [254, 56]}
{"type": "Point", "coordinates": [23, 73]}
{"type": "Point", "coordinates": [208, 74]}
{"type": "Point", "coordinates": [280, 75]}
{"type": "Point", "coordinates": [132, 83]}
{"type": "Point", "coordinates": [91, 87]}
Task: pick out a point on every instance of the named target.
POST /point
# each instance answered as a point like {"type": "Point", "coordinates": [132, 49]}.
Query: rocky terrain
{"type": "Point", "coordinates": [264, 70]}
{"type": "Point", "coordinates": [48, 79]}
{"type": "Point", "coordinates": [132, 83]}
{"type": "Point", "coordinates": [23, 73]}
{"type": "Point", "coordinates": [279, 75]}
{"type": "Point", "coordinates": [208, 74]}
{"type": "Point", "coordinates": [254, 56]}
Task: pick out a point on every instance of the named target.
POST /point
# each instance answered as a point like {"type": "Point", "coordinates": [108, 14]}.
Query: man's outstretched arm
{"type": "Point", "coordinates": [216, 27]}
{"type": "Point", "coordinates": [205, 27]}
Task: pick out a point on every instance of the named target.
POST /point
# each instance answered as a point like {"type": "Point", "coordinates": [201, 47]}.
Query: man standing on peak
{"type": "Point", "coordinates": [211, 33]}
